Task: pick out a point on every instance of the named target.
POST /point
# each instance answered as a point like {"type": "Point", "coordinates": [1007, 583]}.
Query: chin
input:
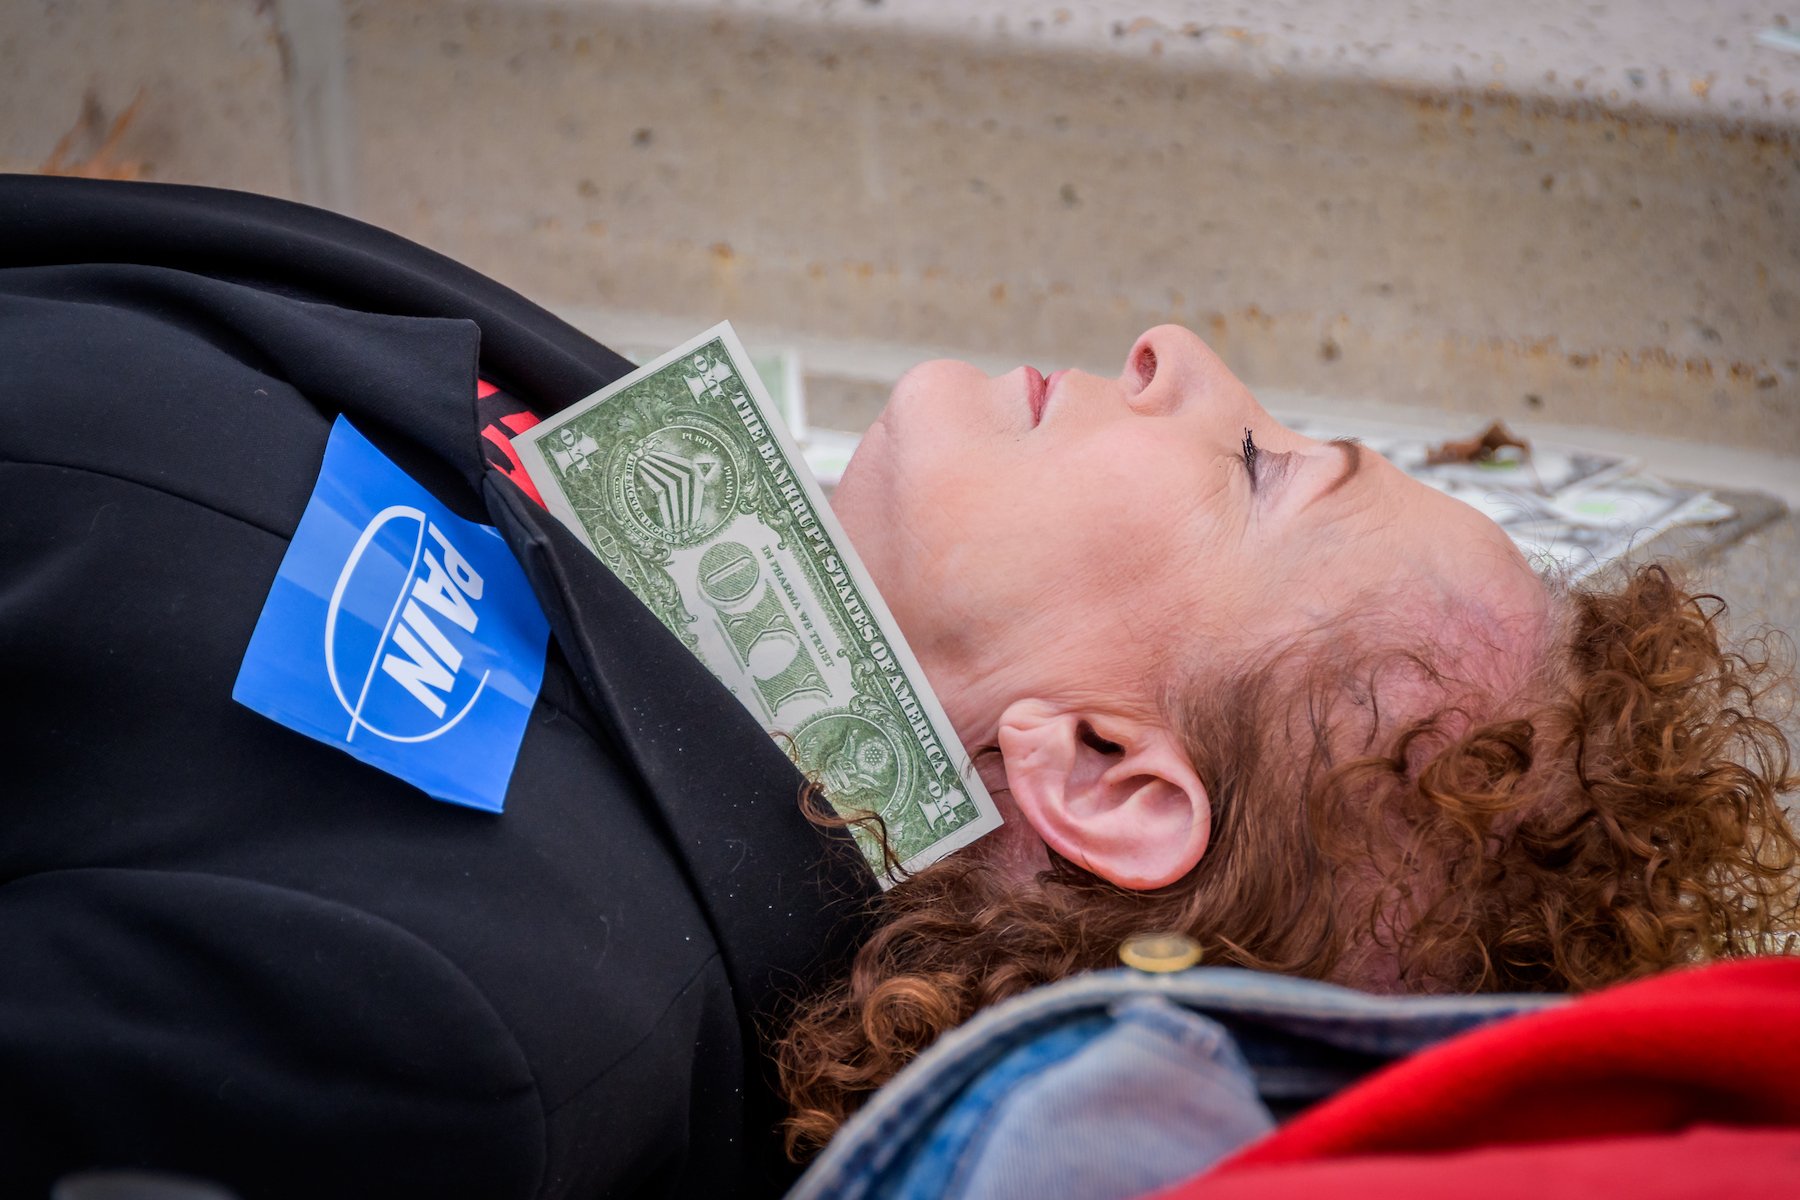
{"type": "Point", "coordinates": [908, 467]}
{"type": "Point", "coordinates": [863, 498]}
{"type": "Point", "coordinates": [876, 474]}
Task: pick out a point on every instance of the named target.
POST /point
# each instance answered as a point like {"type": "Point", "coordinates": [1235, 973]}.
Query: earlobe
{"type": "Point", "coordinates": [1134, 814]}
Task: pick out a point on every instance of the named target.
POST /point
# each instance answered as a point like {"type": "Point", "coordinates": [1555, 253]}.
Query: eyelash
{"type": "Point", "coordinates": [1248, 455]}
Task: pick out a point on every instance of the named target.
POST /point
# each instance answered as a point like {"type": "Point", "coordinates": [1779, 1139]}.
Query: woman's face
{"type": "Point", "coordinates": [1065, 535]}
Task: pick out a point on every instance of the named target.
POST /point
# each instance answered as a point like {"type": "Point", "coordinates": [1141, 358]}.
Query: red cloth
{"type": "Point", "coordinates": [1700, 1164]}
{"type": "Point", "coordinates": [1619, 1074]}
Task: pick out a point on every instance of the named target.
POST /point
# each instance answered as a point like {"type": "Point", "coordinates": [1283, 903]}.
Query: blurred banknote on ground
{"type": "Point", "coordinates": [1569, 510]}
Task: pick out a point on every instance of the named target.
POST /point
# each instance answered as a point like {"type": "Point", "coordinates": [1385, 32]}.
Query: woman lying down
{"type": "Point", "coordinates": [1223, 680]}
{"type": "Point", "coordinates": [1275, 694]}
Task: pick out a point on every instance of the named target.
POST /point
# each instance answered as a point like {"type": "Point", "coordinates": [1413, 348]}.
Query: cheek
{"type": "Point", "coordinates": [1128, 527]}
{"type": "Point", "coordinates": [1186, 551]}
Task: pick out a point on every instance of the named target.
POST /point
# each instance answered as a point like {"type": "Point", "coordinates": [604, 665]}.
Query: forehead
{"type": "Point", "coordinates": [1445, 521]}
{"type": "Point", "coordinates": [1455, 549]}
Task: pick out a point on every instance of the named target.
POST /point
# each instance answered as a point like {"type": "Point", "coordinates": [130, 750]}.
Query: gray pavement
{"type": "Point", "coordinates": [1759, 578]}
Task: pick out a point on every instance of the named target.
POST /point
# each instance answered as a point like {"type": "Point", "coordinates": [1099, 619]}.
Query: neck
{"type": "Point", "coordinates": [969, 698]}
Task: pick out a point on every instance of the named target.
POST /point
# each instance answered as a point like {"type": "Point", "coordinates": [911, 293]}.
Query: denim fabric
{"type": "Point", "coordinates": [953, 1142]}
{"type": "Point", "coordinates": [1090, 1108]}
{"type": "Point", "coordinates": [1110, 1084]}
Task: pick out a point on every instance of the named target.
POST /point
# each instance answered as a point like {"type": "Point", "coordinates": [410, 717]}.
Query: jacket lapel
{"type": "Point", "coordinates": [783, 897]}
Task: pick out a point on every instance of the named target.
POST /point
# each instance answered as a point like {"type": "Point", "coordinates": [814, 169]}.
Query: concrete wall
{"type": "Point", "coordinates": [1587, 214]}
{"type": "Point", "coordinates": [215, 106]}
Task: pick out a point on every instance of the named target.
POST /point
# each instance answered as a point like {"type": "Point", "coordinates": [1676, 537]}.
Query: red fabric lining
{"type": "Point", "coordinates": [505, 418]}
{"type": "Point", "coordinates": [1619, 1074]}
{"type": "Point", "coordinates": [1702, 1163]}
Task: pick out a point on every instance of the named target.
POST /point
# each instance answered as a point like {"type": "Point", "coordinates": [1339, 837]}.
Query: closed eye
{"type": "Point", "coordinates": [1265, 467]}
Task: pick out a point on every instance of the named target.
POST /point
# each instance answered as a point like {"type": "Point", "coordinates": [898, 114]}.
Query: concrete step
{"type": "Point", "coordinates": [1586, 214]}
{"type": "Point", "coordinates": [1582, 217]}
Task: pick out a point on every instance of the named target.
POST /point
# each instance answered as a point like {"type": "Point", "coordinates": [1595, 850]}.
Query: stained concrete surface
{"type": "Point", "coordinates": [949, 182]}
{"type": "Point", "coordinates": [1759, 578]}
{"type": "Point", "coordinates": [211, 75]}
{"type": "Point", "coordinates": [1583, 213]}
{"type": "Point", "coordinates": [1676, 57]}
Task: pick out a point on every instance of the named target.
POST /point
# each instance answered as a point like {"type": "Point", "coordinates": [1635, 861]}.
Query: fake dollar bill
{"type": "Point", "coordinates": [683, 481]}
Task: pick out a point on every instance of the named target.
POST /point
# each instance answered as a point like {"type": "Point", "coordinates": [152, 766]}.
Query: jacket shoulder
{"type": "Point", "coordinates": [274, 1041]}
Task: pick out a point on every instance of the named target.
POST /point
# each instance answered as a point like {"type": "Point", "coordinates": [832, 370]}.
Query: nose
{"type": "Point", "coordinates": [1162, 368]}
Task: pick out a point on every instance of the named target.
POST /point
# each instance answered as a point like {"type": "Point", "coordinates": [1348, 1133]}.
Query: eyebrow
{"type": "Point", "coordinates": [1352, 464]}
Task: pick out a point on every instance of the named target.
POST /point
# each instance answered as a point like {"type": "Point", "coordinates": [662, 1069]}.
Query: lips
{"type": "Point", "coordinates": [1037, 393]}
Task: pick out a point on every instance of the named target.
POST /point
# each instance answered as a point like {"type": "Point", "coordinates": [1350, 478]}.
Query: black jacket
{"type": "Point", "coordinates": [230, 950]}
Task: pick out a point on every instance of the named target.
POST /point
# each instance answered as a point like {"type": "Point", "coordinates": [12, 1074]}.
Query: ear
{"type": "Point", "coordinates": [1114, 795]}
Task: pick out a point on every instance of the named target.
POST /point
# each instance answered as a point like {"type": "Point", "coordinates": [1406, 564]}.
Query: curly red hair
{"type": "Point", "coordinates": [1616, 814]}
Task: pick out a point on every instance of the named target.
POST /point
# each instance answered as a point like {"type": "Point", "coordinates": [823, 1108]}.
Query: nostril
{"type": "Point", "coordinates": [1145, 365]}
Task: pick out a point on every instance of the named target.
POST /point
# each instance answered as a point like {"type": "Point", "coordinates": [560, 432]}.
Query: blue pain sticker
{"type": "Point", "coordinates": [399, 632]}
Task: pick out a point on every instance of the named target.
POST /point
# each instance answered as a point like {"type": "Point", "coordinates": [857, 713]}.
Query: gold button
{"type": "Point", "coordinates": [1160, 953]}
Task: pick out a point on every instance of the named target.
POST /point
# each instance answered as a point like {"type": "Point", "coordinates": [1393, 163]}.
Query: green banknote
{"type": "Point", "coordinates": [683, 480]}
